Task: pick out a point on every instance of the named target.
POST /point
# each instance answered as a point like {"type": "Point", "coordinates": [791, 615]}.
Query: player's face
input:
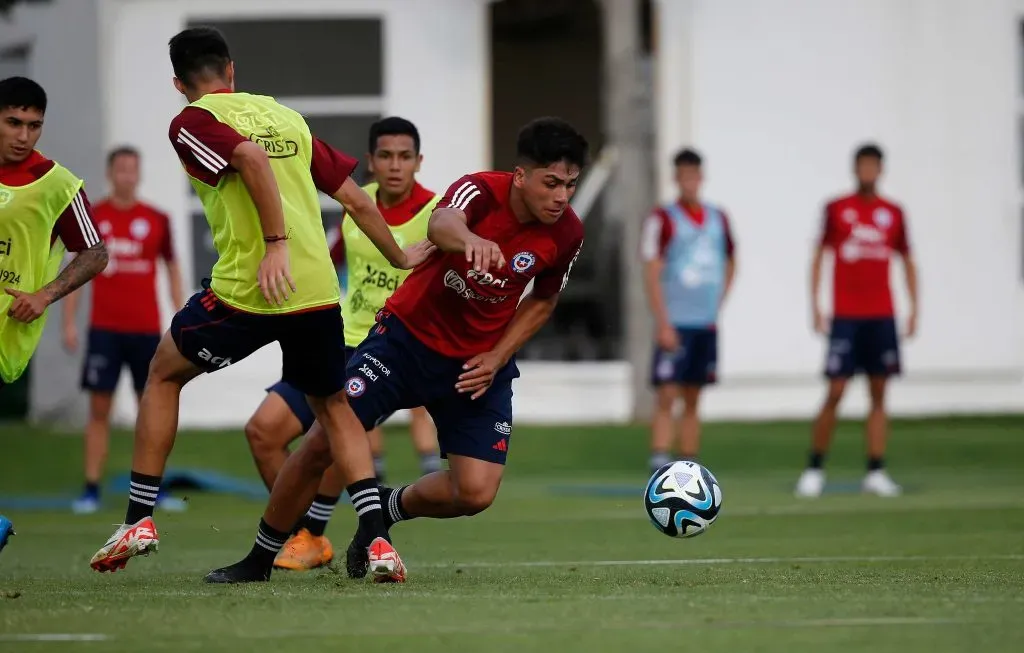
{"type": "Point", "coordinates": [124, 174]}
{"type": "Point", "coordinates": [20, 129]}
{"type": "Point", "coordinates": [547, 191]}
{"type": "Point", "coordinates": [394, 163]}
{"type": "Point", "coordinates": [689, 179]}
{"type": "Point", "coordinates": [868, 169]}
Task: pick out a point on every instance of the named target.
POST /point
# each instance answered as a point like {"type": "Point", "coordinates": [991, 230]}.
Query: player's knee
{"type": "Point", "coordinates": [666, 400]}
{"type": "Point", "coordinates": [315, 451]}
{"type": "Point", "coordinates": [261, 439]}
{"type": "Point", "coordinates": [474, 498]}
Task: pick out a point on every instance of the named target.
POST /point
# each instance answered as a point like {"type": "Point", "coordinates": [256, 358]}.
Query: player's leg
{"type": "Point", "coordinates": [698, 368]}
{"type": "Point", "coordinates": [881, 361]}
{"type": "Point", "coordinates": [689, 428]}
{"type": "Point", "coordinates": [204, 336]}
{"type": "Point", "coordinates": [100, 375]}
{"type": "Point", "coordinates": [281, 417]}
{"type": "Point", "coordinates": [376, 437]}
{"type": "Point", "coordinates": [840, 366]}
{"type": "Point", "coordinates": [424, 440]}
{"type": "Point", "coordinates": [665, 371]}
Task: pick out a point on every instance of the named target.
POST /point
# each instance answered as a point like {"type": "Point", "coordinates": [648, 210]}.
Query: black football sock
{"type": "Point", "coordinates": [875, 463]}
{"type": "Point", "coordinates": [319, 514]}
{"type": "Point", "coordinates": [365, 498]}
{"type": "Point", "coordinates": [141, 497]}
{"type": "Point", "coordinates": [92, 490]}
{"type": "Point", "coordinates": [394, 512]}
{"type": "Point", "coordinates": [816, 460]}
{"type": "Point", "coordinates": [268, 543]}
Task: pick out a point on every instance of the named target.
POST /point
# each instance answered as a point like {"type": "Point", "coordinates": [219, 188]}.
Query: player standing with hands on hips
{"type": "Point", "coordinates": [862, 231]}
{"type": "Point", "coordinates": [257, 169]}
{"type": "Point", "coordinates": [689, 266]}
{"type": "Point", "coordinates": [44, 213]}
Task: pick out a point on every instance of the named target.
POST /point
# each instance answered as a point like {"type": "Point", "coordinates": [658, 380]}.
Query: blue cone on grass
{"type": "Point", "coordinates": [6, 531]}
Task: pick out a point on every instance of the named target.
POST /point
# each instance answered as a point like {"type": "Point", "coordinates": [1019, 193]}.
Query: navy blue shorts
{"type": "Point", "coordinates": [295, 399]}
{"type": "Point", "coordinates": [694, 363]}
{"type": "Point", "coordinates": [214, 335]}
{"type": "Point", "coordinates": [868, 346]}
{"type": "Point", "coordinates": [107, 352]}
{"type": "Point", "coordinates": [392, 370]}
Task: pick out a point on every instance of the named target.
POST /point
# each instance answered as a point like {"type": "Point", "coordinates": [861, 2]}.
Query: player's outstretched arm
{"type": "Point", "coordinates": [363, 210]}
{"type": "Point", "coordinates": [448, 229]}
{"type": "Point", "coordinates": [28, 307]}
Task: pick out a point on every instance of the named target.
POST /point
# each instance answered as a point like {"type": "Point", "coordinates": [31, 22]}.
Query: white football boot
{"type": "Point", "coordinates": [879, 483]}
{"type": "Point", "coordinates": [811, 483]}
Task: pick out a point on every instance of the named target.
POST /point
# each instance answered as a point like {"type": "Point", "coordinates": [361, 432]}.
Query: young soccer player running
{"type": "Point", "coordinates": [394, 159]}
{"type": "Point", "coordinates": [689, 265]}
{"type": "Point", "coordinates": [447, 340]}
{"type": "Point", "coordinates": [257, 169]}
{"type": "Point", "coordinates": [862, 231]}
{"type": "Point", "coordinates": [45, 213]}
{"type": "Point", "coordinates": [124, 322]}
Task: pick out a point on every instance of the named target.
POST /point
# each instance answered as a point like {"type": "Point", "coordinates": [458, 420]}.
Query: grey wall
{"type": "Point", "coordinates": [65, 58]}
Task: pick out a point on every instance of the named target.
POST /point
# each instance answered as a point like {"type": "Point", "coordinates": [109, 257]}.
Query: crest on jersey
{"type": "Point", "coordinates": [882, 218]}
{"type": "Point", "coordinates": [139, 228]}
{"type": "Point", "coordinates": [5, 196]}
{"type": "Point", "coordinates": [104, 227]}
{"type": "Point", "coordinates": [355, 386]}
{"type": "Point", "coordinates": [523, 261]}
{"type": "Point", "coordinates": [849, 215]}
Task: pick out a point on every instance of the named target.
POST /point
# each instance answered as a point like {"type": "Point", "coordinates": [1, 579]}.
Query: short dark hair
{"type": "Point", "coordinates": [687, 157]}
{"type": "Point", "coordinates": [868, 151]}
{"type": "Point", "coordinates": [22, 93]}
{"type": "Point", "coordinates": [393, 126]}
{"type": "Point", "coordinates": [199, 52]}
{"type": "Point", "coordinates": [544, 141]}
{"type": "Point", "coordinates": [121, 150]}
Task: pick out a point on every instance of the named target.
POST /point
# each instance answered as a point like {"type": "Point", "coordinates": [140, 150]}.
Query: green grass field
{"type": "Point", "coordinates": [556, 565]}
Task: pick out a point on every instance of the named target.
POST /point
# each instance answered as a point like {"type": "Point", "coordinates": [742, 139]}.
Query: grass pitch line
{"type": "Point", "coordinates": [54, 637]}
{"type": "Point", "coordinates": [721, 561]}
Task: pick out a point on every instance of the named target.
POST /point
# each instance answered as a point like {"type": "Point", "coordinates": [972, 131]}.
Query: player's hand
{"type": "Point", "coordinates": [911, 325]}
{"type": "Point", "coordinates": [668, 338]}
{"type": "Point", "coordinates": [417, 253]}
{"type": "Point", "coordinates": [27, 307]}
{"type": "Point", "coordinates": [820, 323]}
{"type": "Point", "coordinates": [274, 276]}
{"type": "Point", "coordinates": [484, 255]}
{"type": "Point", "coordinates": [70, 338]}
{"type": "Point", "coordinates": [478, 374]}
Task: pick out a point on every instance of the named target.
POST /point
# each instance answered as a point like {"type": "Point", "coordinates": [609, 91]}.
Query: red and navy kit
{"type": "Point", "coordinates": [863, 232]}
{"type": "Point", "coordinates": [445, 313]}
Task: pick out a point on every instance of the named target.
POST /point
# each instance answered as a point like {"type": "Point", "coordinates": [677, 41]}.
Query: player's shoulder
{"type": "Point", "coordinates": [38, 164]}
{"type": "Point", "coordinates": [891, 205]}
{"type": "Point", "coordinates": [189, 117]}
{"type": "Point", "coordinates": [497, 183]}
{"type": "Point", "coordinates": [569, 228]}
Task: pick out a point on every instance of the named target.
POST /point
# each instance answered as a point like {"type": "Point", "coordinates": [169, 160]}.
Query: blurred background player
{"type": "Point", "coordinates": [256, 168]}
{"type": "Point", "coordinates": [45, 213]}
{"type": "Point", "coordinates": [862, 231]}
{"type": "Point", "coordinates": [394, 159]}
{"type": "Point", "coordinates": [124, 321]}
{"type": "Point", "coordinates": [447, 340]}
{"type": "Point", "coordinates": [689, 265]}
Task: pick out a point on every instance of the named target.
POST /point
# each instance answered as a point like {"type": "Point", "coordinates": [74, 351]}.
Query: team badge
{"type": "Point", "coordinates": [104, 227]}
{"type": "Point", "coordinates": [523, 261]}
{"type": "Point", "coordinates": [5, 197]}
{"type": "Point", "coordinates": [139, 228]}
{"type": "Point", "coordinates": [882, 218]}
{"type": "Point", "coordinates": [849, 216]}
{"type": "Point", "coordinates": [355, 387]}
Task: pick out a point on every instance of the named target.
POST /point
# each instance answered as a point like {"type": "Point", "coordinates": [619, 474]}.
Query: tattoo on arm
{"type": "Point", "coordinates": [86, 265]}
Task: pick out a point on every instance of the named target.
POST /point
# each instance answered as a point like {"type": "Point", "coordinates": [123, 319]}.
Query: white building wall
{"type": "Point", "coordinates": [777, 95]}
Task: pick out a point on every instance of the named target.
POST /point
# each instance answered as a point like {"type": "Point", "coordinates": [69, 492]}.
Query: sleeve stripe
{"type": "Point", "coordinates": [84, 223]}
{"type": "Point", "coordinates": [467, 199]}
{"type": "Point", "coordinates": [208, 157]}
{"type": "Point", "coordinates": [457, 196]}
{"type": "Point", "coordinates": [650, 243]}
{"type": "Point", "coordinates": [568, 271]}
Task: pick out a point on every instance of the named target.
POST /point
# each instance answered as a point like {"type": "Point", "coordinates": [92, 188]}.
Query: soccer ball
{"type": "Point", "coordinates": [683, 499]}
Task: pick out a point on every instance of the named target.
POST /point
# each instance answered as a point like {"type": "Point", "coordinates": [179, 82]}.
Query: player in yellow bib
{"type": "Point", "coordinates": [257, 169]}
{"type": "Point", "coordinates": [394, 159]}
{"type": "Point", "coordinates": [43, 214]}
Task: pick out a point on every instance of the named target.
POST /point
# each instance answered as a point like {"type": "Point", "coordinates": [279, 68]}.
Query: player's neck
{"type": "Point", "coordinates": [518, 206]}
{"type": "Point", "coordinates": [205, 88]}
{"type": "Point", "coordinates": [389, 201]}
{"type": "Point", "coordinates": [690, 202]}
{"type": "Point", "coordinates": [126, 201]}
{"type": "Point", "coordinates": [867, 192]}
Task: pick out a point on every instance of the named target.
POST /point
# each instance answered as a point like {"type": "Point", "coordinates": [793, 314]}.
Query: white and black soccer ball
{"type": "Point", "coordinates": [682, 499]}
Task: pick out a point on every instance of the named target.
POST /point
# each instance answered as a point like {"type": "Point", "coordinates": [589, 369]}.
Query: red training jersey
{"type": "Point", "coordinates": [460, 313]}
{"type": "Point", "coordinates": [124, 297]}
{"type": "Point", "coordinates": [863, 232]}
{"type": "Point", "coordinates": [75, 226]}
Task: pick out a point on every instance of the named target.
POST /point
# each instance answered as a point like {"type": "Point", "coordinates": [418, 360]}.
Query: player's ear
{"type": "Point", "coordinates": [178, 85]}
{"type": "Point", "coordinates": [229, 75]}
{"type": "Point", "coordinates": [419, 162]}
{"type": "Point", "coordinates": [519, 177]}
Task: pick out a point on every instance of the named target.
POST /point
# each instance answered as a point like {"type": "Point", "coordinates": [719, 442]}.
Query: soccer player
{"type": "Point", "coordinates": [45, 213]}
{"type": "Point", "coordinates": [862, 231]}
{"type": "Point", "coordinates": [447, 340]}
{"type": "Point", "coordinates": [124, 322]}
{"type": "Point", "coordinates": [257, 169]}
{"type": "Point", "coordinates": [689, 265]}
{"type": "Point", "coordinates": [394, 159]}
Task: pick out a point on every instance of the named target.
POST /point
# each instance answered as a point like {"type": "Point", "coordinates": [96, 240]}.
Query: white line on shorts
{"type": "Point", "coordinates": [720, 561]}
{"type": "Point", "coordinates": [54, 637]}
